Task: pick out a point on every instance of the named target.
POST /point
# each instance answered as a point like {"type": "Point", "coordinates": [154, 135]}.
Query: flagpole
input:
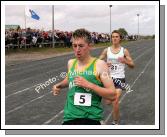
{"type": "Point", "coordinates": [53, 26]}
{"type": "Point", "coordinates": [25, 24]}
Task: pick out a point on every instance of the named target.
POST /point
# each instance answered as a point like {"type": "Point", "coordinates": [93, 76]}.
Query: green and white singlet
{"type": "Point", "coordinates": [81, 102]}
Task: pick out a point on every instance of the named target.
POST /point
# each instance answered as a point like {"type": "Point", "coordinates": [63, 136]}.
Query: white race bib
{"type": "Point", "coordinates": [82, 99]}
{"type": "Point", "coordinates": [114, 67]}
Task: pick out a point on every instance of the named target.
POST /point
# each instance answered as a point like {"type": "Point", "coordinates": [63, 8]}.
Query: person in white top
{"type": "Point", "coordinates": [117, 57]}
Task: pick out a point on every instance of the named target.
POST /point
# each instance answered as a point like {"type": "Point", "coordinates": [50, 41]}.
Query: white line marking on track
{"type": "Point", "coordinates": [33, 76]}
{"type": "Point", "coordinates": [20, 91]}
{"type": "Point", "coordinates": [54, 117]}
{"type": "Point", "coordinates": [19, 107]}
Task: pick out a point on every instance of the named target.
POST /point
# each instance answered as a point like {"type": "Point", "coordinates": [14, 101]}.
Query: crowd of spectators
{"type": "Point", "coordinates": [37, 38]}
{"type": "Point", "coordinates": [40, 38]}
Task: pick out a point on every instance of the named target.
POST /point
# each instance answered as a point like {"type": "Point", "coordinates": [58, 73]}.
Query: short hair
{"type": "Point", "coordinates": [116, 31]}
{"type": "Point", "coordinates": [82, 33]}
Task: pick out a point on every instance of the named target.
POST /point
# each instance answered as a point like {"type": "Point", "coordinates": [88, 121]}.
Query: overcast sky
{"type": "Point", "coordinates": [93, 17]}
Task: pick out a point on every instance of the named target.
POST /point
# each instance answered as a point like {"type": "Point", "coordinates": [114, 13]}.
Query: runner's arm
{"type": "Point", "coordinates": [108, 91]}
{"type": "Point", "coordinates": [103, 55]}
{"type": "Point", "coordinates": [64, 83]}
{"type": "Point", "coordinates": [129, 60]}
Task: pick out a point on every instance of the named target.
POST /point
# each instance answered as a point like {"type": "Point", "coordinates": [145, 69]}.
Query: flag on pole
{"type": "Point", "coordinates": [30, 13]}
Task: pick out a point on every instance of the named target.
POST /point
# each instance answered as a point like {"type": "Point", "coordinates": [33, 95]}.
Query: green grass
{"type": "Point", "coordinates": [50, 50]}
{"type": "Point", "coordinates": [44, 50]}
{"type": "Point", "coordinates": [108, 44]}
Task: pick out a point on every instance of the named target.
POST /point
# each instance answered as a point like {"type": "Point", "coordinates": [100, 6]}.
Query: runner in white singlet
{"type": "Point", "coordinates": [117, 57]}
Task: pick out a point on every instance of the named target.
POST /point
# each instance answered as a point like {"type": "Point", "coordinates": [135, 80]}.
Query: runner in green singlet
{"type": "Point", "coordinates": [88, 81]}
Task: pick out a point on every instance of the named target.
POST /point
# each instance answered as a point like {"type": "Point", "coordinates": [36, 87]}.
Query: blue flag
{"type": "Point", "coordinates": [34, 15]}
{"type": "Point", "coordinates": [31, 13]}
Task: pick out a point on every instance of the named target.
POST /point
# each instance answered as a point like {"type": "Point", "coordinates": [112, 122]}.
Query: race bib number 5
{"type": "Point", "coordinates": [82, 99]}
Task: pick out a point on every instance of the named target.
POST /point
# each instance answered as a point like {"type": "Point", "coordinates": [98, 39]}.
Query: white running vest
{"type": "Point", "coordinates": [117, 69]}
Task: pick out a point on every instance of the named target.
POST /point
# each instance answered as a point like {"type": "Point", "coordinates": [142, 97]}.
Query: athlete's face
{"type": "Point", "coordinates": [116, 39]}
{"type": "Point", "coordinates": [81, 48]}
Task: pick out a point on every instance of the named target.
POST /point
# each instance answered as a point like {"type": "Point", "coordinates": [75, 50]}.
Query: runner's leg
{"type": "Point", "coordinates": [115, 104]}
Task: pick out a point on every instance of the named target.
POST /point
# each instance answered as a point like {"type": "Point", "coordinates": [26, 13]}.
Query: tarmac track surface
{"type": "Point", "coordinates": [25, 106]}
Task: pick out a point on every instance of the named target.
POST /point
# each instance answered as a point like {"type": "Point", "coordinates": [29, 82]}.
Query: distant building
{"type": "Point", "coordinates": [7, 27]}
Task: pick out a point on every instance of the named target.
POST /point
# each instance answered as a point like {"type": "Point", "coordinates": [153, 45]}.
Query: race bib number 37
{"type": "Point", "coordinates": [82, 99]}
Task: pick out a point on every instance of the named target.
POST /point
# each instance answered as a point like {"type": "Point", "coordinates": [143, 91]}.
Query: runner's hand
{"type": "Point", "coordinates": [82, 82]}
{"type": "Point", "coordinates": [122, 60]}
{"type": "Point", "coordinates": [109, 64]}
{"type": "Point", "coordinates": [56, 89]}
